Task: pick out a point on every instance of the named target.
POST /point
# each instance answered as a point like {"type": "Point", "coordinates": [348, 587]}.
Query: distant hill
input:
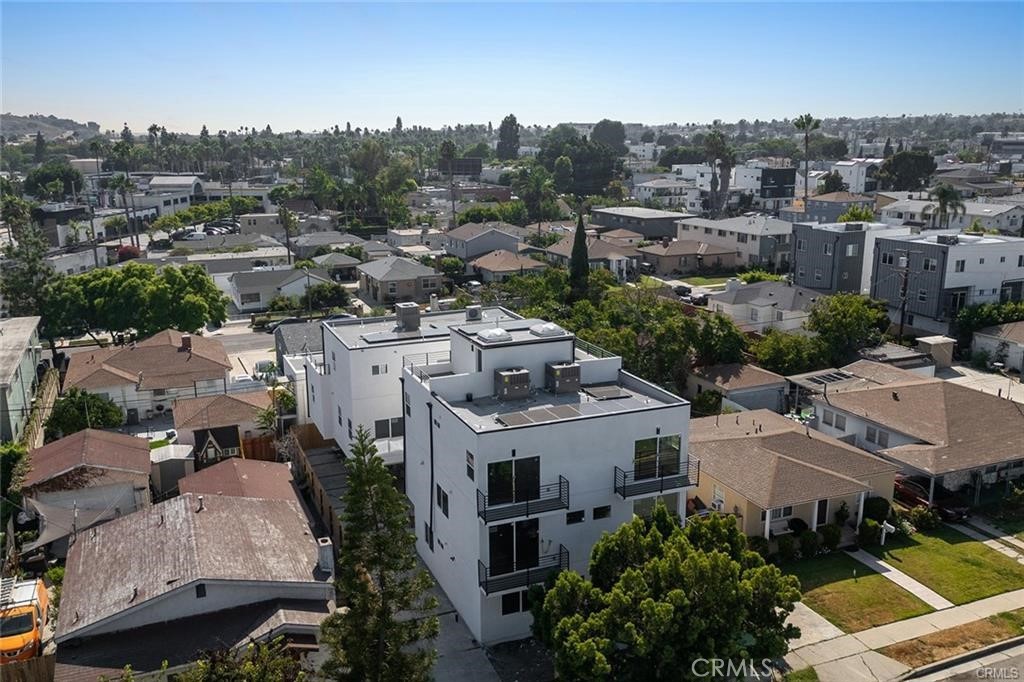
{"type": "Point", "coordinates": [13, 127]}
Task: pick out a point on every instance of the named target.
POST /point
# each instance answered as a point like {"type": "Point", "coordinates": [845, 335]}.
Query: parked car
{"type": "Point", "coordinates": [682, 290]}
{"type": "Point", "coordinates": [701, 299]}
{"type": "Point", "coordinates": [913, 491]}
{"type": "Point", "coordinates": [24, 609]}
{"type": "Point", "coordinates": [194, 236]}
{"type": "Point", "coordinates": [473, 286]}
{"type": "Point", "coordinates": [339, 316]}
{"type": "Point", "coordinates": [287, 320]}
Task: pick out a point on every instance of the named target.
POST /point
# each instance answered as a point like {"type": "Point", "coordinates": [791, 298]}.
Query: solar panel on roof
{"type": "Point", "coordinates": [540, 414]}
{"type": "Point", "coordinates": [565, 411]}
{"type": "Point", "coordinates": [514, 419]}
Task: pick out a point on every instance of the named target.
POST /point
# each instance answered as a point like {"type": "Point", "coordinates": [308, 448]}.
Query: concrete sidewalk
{"type": "Point", "coordinates": [922, 592]}
{"type": "Point", "coordinates": [998, 546]}
{"type": "Point", "coordinates": [983, 524]}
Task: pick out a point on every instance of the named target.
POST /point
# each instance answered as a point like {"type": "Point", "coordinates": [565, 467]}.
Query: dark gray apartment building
{"type": "Point", "coordinates": [826, 208]}
{"type": "Point", "coordinates": [651, 223]}
{"type": "Point", "coordinates": [836, 257]}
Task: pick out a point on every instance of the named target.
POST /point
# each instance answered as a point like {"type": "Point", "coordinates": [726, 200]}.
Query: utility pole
{"type": "Point", "coordinates": [904, 283]}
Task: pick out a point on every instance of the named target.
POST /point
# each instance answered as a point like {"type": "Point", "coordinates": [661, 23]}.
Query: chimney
{"type": "Point", "coordinates": [201, 506]}
{"type": "Point", "coordinates": [732, 284]}
{"type": "Point", "coordinates": [325, 556]}
{"type": "Point", "coordinates": [665, 241]}
{"type": "Point", "coordinates": [434, 305]}
{"type": "Point", "coordinates": [408, 316]}
{"type": "Point", "coordinates": [186, 342]}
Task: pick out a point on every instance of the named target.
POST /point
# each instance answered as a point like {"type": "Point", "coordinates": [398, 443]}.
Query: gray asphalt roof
{"type": "Point", "coordinates": [395, 268]}
{"type": "Point", "coordinates": [788, 297]}
{"type": "Point", "coordinates": [15, 333]}
{"type": "Point", "coordinates": [264, 278]}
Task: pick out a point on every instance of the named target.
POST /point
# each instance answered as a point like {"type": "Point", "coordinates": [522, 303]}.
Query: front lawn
{"type": "Point", "coordinates": [804, 675]}
{"type": "Point", "coordinates": [699, 281]}
{"type": "Point", "coordinates": [943, 644]}
{"type": "Point", "coordinates": [1009, 526]}
{"type": "Point", "coordinates": [852, 604]}
{"type": "Point", "coordinates": [959, 568]}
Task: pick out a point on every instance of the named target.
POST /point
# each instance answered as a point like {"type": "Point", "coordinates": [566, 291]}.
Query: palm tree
{"type": "Point", "coordinates": [949, 202]}
{"type": "Point", "coordinates": [122, 184]}
{"type": "Point", "coordinates": [447, 153]}
{"type": "Point", "coordinates": [535, 186]}
{"type": "Point", "coordinates": [806, 124]}
{"type": "Point", "coordinates": [99, 147]}
{"type": "Point", "coordinates": [719, 154]}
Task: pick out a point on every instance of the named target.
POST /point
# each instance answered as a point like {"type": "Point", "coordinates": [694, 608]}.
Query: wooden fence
{"type": "Point", "coordinates": [46, 395]}
{"type": "Point", "coordinates": [39, 669]}
{"type": "Point", "coordinates": [260, 447]}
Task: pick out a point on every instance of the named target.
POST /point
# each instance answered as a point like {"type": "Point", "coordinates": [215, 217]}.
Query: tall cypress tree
{"type": "Point", "coordinates": [378, 578]}
{"type": "Point", "coordinates": [579, 264]}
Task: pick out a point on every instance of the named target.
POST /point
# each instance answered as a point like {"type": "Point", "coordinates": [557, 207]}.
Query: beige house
{"type": "Point", "coordinates": [394, 279]}
{"type": "Point", "coordinates": [497, 266]}
{"type": "Point", "coordinates": [743, 386]}
{"type": "Point", "coordinates": [767, 470]}
{"type": "Point", "coordinates": [687, 257]}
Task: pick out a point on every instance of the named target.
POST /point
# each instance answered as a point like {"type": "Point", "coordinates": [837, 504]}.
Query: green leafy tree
{"type": "Point", "coordinates": [832, 182]}
{"type": "Point", "coordinates": [610, 133]}
{"type": "Point", "coordinates": [758, 275]}
{"type": "Point", "coordinates": [907, 170]}
{"type": "Point", "coordinates": [325, 296]}
{"type": "Point", "coordinates": [12, 466]}
{"type": "Point", "coordinates": [846, 323]}
{"type": "Point", "coordinates": [451, 267]}
{"type": "Point", "coordinates": [857, 214]}
{"type": "Point", "coordinates": [706, 403]}
{"type": "Point", "coordinates": [579, 263]}
{"type": "Point", "coordinates": [26, 271]}
{"type": "Point", "coordinates": [508, 138]}
{"type": "Point", "coordinates": [718, 341]}
{"type": "Point", "coordinates": [39, 181]}
{"type": "Point", "coordinates": [647, 136]}
{"type": "Point", "coordinates": [660, 596]}
{"type": "Point", "coordinates": [680, 155]}
{"type": "Point", "coordinates": [788, 354]}
{"type": "Point", "coordinates": [40, 148]}
{"type": "Point", "coordinates": [379, 578]}
{"type": "Point", "coordinates": [256, 662]}
{"type": "Point", "coordinates": [949, 200]}
{"type": "Point", "coordinates": [806, 124]}
{"type": "Point", "coordinates": [77, 410]}
{"type": "Point", "coordinates": [535, 186]}
{"type": "Point", "coordinates": [974, 317]}
{"type": "Point", "coordinates": [563, 174]}
{"type": "Point", "coordinates": [594, 164]}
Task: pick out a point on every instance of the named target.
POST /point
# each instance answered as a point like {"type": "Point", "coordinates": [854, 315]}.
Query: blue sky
{"type": "Point", "coordinates": [311, 65]}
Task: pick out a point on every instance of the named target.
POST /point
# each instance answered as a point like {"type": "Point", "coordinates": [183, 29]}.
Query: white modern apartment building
{"type": "Point", "coordinates": [356, 381]}
{"type": "Point", "coordinates": [669, 192]}
{"type": "Point", "coordinates": [947, 271]}
{"type": "Point", "coordinates": [1007, 218]}
{"type": "Point", "coordinates": [860, 175]}
{"type": "Point", "coordinates": [522, 449]}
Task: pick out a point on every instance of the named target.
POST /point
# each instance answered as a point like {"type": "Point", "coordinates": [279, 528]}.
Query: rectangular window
{"type": "Point", "coordinates": [200, 591]}
{"type": "Point", "coordinates": [827, 248]}
{"type": "Point", "coordinates": [1020, 261]}
{"type": "Point", "coordinates": [575, 517]}
{"type": "Point", "coordinates": [349, 429]}
{"type": "Point", "coordinates": [852, 250]}
{"type": "Point", "coordinates": [930, 265]}
{"type": "Point", "coordinates": [883, 438]}
{"type": "Point", "coordinates": [871, 434]}
{"type": "Point", "coordinates": [888, 259]}
{"type": "Point", "coordinates": [408, 404]}
{"type": "Point", "coordinates": [981, 261]}
{"type": "Point", "coordinates": [377, 370]}
{"type": "Point", "coordinates": [800, 272]}
{"type": "Point", "coordinates": [781, 513]}
{"type": "Point", "coordinates": [958, 266]}
{"type": "Point", "coordinates": [827, 417]}
{"type": "Point", "coordinates": [801, 244]}
{"type": "Point", "coordinates": [753, 314]}
{"type": "Point", "coordinates": [515, 602]}
{"type": "Point", "coordinates": [922, 295]}
{"type": "Point", "coordinates": [602, 512]}
{"type": "Point", "coordinates": [442, 500]}
{"type": "Point", "coordinates": [470, 466]}
{"type": "Point", "coordinates": [249, 298]}
{"type": "Point", "coordinates": [428, 535]}
{"type": "Point", "coordinates": [817, 275]}
{"type": "Point", "coordinates": [341, 421]}
{"type": "Point", "coordinates": [841, 422]}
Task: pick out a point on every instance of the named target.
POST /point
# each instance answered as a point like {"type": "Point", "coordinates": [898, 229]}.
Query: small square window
{"type": "Point", "coordinates": [602, 512]}
{"type": "Point", "coordinates": [841, 422]}
{"type": "Point", "coordinates": [442, 500]}
{"type": "Point", "coordinates": [510, 603]}
{"type": "Point", "coordinates": [575, 517]}
{"type": "Point", "coordinates": [200, 591]}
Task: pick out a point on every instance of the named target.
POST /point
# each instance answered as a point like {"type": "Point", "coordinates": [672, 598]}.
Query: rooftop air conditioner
{"type": "Point", "coordinates": [512, 384]}
{"type": "Point", "coordinates": [562, 377]}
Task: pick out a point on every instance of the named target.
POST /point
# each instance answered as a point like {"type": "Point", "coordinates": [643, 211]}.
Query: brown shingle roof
{"type": "Point", "coordinates": [597, 249]}
{"type": "Point", "coordinates": [89, 447]}
{"type": "Point", "coordinates": [223, 409]}
{"type": "Point", "coordinates": [470, 230]}
{"type": "Point", "coordinates": [842, 198]}
{"type": "Point", "coordinates": [959, 428]}
{"type": "Point", "coordinates": [142, 556]}
{"type": "Point", "coordinates": [159, 360]}
{"type": "Point", "coordinates": [774, 462]}
{"type": "Point", "coordinates": [738, 376]}
{"type": "Point", "coordinates": [686, 247]}
{"type": "Point", "coordinates": [236, 477]}
{"type": "Point", "coordinates": [506, 261]}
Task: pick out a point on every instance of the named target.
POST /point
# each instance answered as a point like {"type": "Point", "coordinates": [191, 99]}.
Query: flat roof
{"type": "Point", "coordinates": [640, 212]}
{"type": "Point", "coordinates": [489, 414]}
{"type": "Point", "coordinates": [371, 331]}
{"type": "Point", "coordinates": [15, 334]}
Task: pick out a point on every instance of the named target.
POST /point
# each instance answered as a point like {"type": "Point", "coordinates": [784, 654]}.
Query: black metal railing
{"type": "Point", "coordinates": [550, 497]}
{"type": "Point", "coordinates": [498, 579]}
{"type": "Point", "coordinates": [665, 476]}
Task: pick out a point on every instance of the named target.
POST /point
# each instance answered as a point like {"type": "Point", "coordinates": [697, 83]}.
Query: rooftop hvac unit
{"type": "Point", "coordinates": [474, 313]}
{"type": "Point", "coordinates": [562, 377]}
{"type": "Point", "coordinates": [408, 314]}
{"type": "Point", "coordinates": [512, 384]}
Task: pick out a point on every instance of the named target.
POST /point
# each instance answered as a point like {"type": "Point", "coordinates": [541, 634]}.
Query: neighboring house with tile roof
{"type": "Point", "coordinates": [470, 240]}
{"type": "Point", "coordinates": [90, 470]}
{"type": "Point", "coordinates": [681, 257]}
{"type": "Point", "coordinates": [217, 425]}
{"type": "Point", "coordinates": [952, 434]}
{"type": "Point", "coordinates": [767, 470]}
{"type": "Point", "coordinates": [188, 562]}
{"type": "Point", "coordinates": [146, 376]}
{"type": "Point", "coordinates": [745, 386]}
{"type": "Point", "coordinates": [253, 291]}
{"type": "Point", "coordinates": [650, 222]}
{"type": "Point", "coordinates": [621, 261]}
{"type": "Point", "coordinates": [760, 306]}
{"type": "Point", "coordinates": [394, 279]}
{"type": "Point", "coordinates": [1004, 343]}
{"type": "Point", "coordinates": [497, 266]}
{"type": "Point", "coordinates": [242, 478]}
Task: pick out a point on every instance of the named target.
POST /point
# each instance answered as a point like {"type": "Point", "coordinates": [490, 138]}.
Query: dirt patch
{"type": "Point", "coordinates": [524, 659]}
{"type": "Point", "coordinates": [953, 641]}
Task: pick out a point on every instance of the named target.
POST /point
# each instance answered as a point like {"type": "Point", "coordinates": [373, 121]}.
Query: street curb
{"type": "Point", "coordinates": [939, 666]}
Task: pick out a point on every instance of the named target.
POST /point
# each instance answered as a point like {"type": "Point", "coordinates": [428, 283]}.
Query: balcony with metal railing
{"type": "Point", "coordinates": [499, 579]}
{"type": "Point", "coordinates": [550, 497]}
{"type": "Point", "coordinates": [665, 477]}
